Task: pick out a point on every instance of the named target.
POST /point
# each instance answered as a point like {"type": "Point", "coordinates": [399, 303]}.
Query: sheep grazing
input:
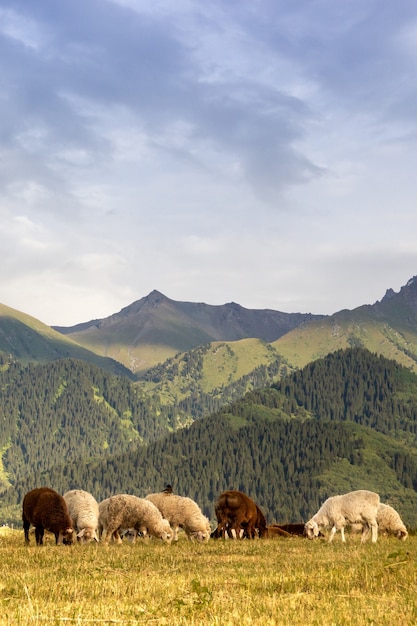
{"type": "Point", "coordinates": [46, 509]}
{"type": "Point", "coordinates": [390, 522]}
{"type": "Point", "coordinates": [103, 508]}
{"type": "Point", "coordinates": [286, 530]}
{"type": "Point", "coordinates": [239, 516]}
{"type": "Point", "coordinates": [83, 510]}
{"type": "Point", "coordinates": [182, 512]}
{"type": "Point", "coordinates": [126, 511]}
{"type": "Point", "coordinates": [355, 507]}
{"type": "Point", "coordinates": [129, 533]}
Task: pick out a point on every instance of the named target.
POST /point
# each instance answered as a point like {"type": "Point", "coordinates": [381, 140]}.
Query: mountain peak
{"type": "Point", "coordinates": [390, 293]}
{"type": "Point", "coordinates": [412, 282]}
{"type": "Point", "coordinates": [407, 290]}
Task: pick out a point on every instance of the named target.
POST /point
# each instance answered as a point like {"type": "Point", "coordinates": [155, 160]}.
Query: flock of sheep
{"type": "Point", "coordinates": [361, 510]}
{"type": "Point", "coordinates": [78, 516]}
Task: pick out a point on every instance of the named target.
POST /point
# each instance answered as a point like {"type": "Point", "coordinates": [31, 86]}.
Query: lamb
{"type": "Point", "coordinates": [390, 522]}
{"type": "Point", "coordinates": [182, 512]}
{"type": "Point", "coordinates": [46, 509]}
{"type": "Point", "coordinates": [83, 510]}
{"type": "Point", "coordinates": [126, 511]}
{"type": "Point", "coordinates": [355, 507]}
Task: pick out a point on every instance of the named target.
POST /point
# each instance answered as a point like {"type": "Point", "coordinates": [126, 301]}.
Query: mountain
{"type": "Point", "coordinates": [388, 327]}
{"type": "Point", "coordinates": [344, 422]}
{"type": "Point", "coordinates": [26, 339]}
{"type": "Point", "coordinates": [155, 328]}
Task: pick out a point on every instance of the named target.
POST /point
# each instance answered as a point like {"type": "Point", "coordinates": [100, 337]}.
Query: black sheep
{"type": "Point", "coordinates": [46, 509]}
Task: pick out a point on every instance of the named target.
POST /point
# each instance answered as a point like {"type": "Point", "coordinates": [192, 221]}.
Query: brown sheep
{"type": "Point", "coordinates": [46, 509]}
{"type": "Point", "coordinates": [287, 530]}
{"type": "Point", "coordinates": [236, 512]}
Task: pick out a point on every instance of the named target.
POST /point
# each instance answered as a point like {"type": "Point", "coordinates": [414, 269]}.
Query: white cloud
{"type": "Point", "coordinates": [260, 152]}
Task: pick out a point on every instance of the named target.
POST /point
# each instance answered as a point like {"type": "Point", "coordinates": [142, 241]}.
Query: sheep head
{"type": "Point", "coordinates": [311, 529]}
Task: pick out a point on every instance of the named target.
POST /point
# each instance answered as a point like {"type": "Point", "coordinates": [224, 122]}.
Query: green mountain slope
{"type": "Point", "coordinates": [388, 327]}
{"type": "Point", "coordinates": [221, 370]}
{"type": "Point", "coordinates": [344, 422]}
{"type": "Point", "coordinates": [26, 339]}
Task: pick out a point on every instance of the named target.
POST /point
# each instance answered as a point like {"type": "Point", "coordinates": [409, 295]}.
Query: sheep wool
{"type": "Point", "coordinates": [83, 510]}
{"type": "Point", "coordinates": [390, 522]}
{"type": "Point", "coordinates": [182, 512]}
{"type": "Point", "coordinates": [127, 511]}
{"type": "Point", "coordinates": [355, 507]}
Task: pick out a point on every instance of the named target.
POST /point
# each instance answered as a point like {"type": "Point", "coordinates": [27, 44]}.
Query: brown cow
{"type": "Point", "coordinates": [236, 512]}
{"type": "Point", "coordinates": [46, 509]}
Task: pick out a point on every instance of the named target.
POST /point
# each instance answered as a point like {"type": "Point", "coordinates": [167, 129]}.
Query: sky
{"type": "Point", "coordinates": [253, 151]}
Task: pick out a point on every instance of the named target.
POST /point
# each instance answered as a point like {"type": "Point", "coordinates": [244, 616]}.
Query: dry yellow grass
{"type": "Point", "coordinates": [290, 582]}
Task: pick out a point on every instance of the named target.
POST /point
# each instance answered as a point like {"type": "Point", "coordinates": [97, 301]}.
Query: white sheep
{"type": "Point", "coordinates": [390, 522]}
{"type": "Point", "coordinates": [83, 510]}
{"type": "Point", "coordinates": [129, 533]}
{"type": "Point", "coordinates": [355, 507]}
{"type": "Point", "coordinates": [182, 512]}
{"type": "Point", "coordinates": [126, 511]}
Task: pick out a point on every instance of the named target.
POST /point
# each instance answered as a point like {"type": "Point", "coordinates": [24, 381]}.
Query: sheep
{"type": "Point", "coordinates": [355, 507]}
{"type": "Point", "coordinates": [102, 521]}
{"type": "Point", "coordinates": [46, 509]}
{"type": "Point", "coordinates": [390, 522]}
{"type": "Point", "coordinates": [83, 510]}
{"type": "Point", "coordinates": [235, 512]}
{"type": "Point", "coordinates": [129, 533]}
{"type": "Point", "coordinates": [182, 512]}
{"type": "Point", "coordinates": [126, 511]}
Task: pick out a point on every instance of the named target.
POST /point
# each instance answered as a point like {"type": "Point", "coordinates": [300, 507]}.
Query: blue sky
{"type": "Point", "coordinates": [255, 151]}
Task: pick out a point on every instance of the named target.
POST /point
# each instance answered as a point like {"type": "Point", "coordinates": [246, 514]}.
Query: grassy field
{"type": "Point", "coordinates": [276, 581]}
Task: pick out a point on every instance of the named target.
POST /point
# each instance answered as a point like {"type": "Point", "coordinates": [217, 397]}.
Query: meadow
{"type": "Point", "coordinates": [285, 581]}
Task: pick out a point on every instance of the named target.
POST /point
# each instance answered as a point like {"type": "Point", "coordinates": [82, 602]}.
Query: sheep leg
{"type": "Point", "coordinates": [332, 533]}
{"type": "Point", "coordinates": [39, 535]}
{"type": "Point", "coordinates": [26, 526]}
{"type": "Point", "coordinates": [374, 531]}
{"type": "Point", "coordinates": [365, 533]}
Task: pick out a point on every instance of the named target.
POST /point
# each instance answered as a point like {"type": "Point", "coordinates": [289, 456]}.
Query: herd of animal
{"type": "Point", "coordinates": [77, 516]}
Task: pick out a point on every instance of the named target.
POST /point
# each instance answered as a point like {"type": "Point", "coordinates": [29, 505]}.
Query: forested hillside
{"type": "Point", "coordinates": [68, 410]}
{"type": "Point", "coordinates": [345, 422]}
{"type": "Point", "coordinates": [356, 385]}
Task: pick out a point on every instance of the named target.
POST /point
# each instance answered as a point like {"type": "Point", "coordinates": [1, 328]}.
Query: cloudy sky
{"type": "Point", "coordinates": [255, 151]}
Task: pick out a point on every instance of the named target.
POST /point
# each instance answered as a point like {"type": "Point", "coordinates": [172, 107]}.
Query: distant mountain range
{"type": "Point", "coordinates": [155, 328]}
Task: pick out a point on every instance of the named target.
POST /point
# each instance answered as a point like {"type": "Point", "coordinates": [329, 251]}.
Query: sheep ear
{"type": "Point", "coordinates": [81, 533]}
